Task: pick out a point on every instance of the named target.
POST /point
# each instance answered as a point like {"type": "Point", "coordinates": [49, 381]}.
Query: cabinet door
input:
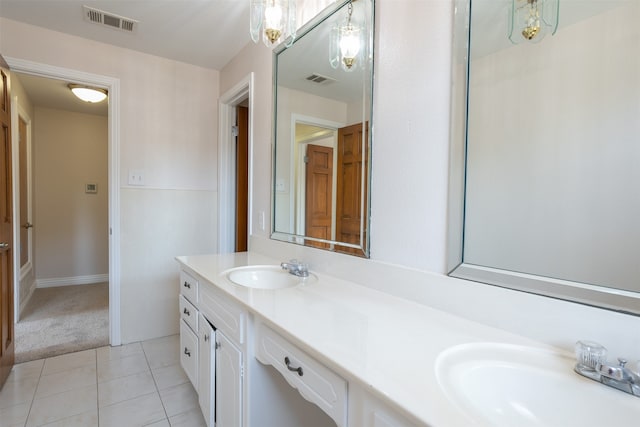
{"type": "Point", "coordinates": [229, 373]}
{"type": "Point", "coordinates": [206, 369]}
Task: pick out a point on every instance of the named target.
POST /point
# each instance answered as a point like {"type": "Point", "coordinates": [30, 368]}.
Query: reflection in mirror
{"type": "Point", "coordinates": [552, 184]}
{"type": "Point", "coordinates": [322, 113]}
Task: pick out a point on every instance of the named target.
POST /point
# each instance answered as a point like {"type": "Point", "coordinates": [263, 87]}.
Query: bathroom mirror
{"type": "Point", "coordinates": [546, 152]}
{"type": "Point", "coordinates": [322, 131]}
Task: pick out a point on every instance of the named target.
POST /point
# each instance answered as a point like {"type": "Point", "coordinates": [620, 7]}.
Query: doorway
{"type": "Point", "coordinates": [235, 165]}
{"type": "Point", "coordinates": [330, 192]}
{"type": "Point", "coordinates": [63, 280]}
{"type": "Point", "coordinates": [112, 85]}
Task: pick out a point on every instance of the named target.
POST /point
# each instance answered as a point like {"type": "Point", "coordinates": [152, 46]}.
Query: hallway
{"type": "Point", "coordinates": [61, 320]}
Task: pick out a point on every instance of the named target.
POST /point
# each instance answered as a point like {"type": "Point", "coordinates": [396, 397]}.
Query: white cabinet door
{"type": "Point", "coordinates": [206, 369]}
{"type": "Point", "coordinates": [228, 383]}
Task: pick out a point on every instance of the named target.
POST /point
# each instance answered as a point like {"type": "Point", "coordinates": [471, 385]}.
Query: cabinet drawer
{"type": "Point", "coordinates": [189, 287]}
{"type": "Point", "coordinates": [223, 313]}
{"type": "Point", "coordinates": [314, 381]}
{"type": "Point", "coordinates": [189, 353]}
{"type": "Point", "coordinates": [189, 313]}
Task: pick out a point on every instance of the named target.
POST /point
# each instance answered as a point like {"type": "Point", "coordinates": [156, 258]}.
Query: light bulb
{"type": "Point", "coordinates": [273, 22]}
{"type": "Point", "coordinates": [349, 44]}
{"type": "Point", "coordinates": [532, 21]}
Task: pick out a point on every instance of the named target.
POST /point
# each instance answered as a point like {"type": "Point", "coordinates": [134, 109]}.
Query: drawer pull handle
{"type": "Point", "coordinates": [206, 338]}
{"type": "Point", "coordinates": [289, 367]}
{"type": "Point", "coordinates": [187, 285]}
{"type": "Point", "coordinates": [218, 345]}
{"type": "Point", "coordinates": [187, 352]}
{"type": "Point", "coordinates": [185, 311]}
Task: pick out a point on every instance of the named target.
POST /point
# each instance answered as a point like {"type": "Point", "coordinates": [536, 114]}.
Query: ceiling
{"type": "Point", "coordinates": [206, 33]}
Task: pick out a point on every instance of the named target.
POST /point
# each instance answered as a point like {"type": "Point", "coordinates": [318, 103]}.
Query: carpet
{"type": "Point", "coordinates": [63, 320]}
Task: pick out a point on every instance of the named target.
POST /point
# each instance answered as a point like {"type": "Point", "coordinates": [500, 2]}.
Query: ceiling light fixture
{"type": "Point", "coordinates": [345, 47]}
{"type": "Point", "coordinates": [276, 19]}
{"type": "Point", "coordinates": [88, 94]}
{"type": "Point", "coordinates": [531, 20]}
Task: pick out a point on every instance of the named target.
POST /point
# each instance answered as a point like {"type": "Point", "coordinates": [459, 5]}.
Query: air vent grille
{"type": "Point", "coordinates": [320, 79]}
{"type": "Point", "coordinates": [110, 20]}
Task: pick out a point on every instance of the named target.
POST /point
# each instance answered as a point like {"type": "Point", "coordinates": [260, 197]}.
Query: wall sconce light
{"type": "Point", "coordinates": [88, 94]}
{"type": "Point", "coordinates": [345, 47]}
{"type": "Point", "coordinates": [276, 19]}
{"type": "Point", "coordinates": [531, 20]}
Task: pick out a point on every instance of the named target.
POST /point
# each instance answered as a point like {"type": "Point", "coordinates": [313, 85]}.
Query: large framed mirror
{"type": "Point", "coordinates": [322, 131]}
{"type": "Point", "coordinates": [545, 152]}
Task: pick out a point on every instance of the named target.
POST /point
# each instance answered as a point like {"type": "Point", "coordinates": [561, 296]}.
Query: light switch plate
{"type": "Point", "coordinates": [136, 177]}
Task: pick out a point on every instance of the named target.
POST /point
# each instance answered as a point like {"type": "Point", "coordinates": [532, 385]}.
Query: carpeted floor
{"type": "Point", "coordinates": [62, 320]}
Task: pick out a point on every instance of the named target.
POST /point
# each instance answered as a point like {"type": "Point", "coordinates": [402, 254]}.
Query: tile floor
{"type": "Point", "coordinates": [139, 384]}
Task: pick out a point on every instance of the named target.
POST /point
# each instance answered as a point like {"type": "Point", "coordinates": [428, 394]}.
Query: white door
{"type": "Point", "coordinates": [206, 369]}
{"type": "Point", "coordinates": [228, 383]}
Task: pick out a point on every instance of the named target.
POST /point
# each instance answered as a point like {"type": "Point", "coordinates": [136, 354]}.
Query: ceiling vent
{"type": "Point", "coordinates": [109, 19]}
{"type": "Point", "coordinates": [320, 79]}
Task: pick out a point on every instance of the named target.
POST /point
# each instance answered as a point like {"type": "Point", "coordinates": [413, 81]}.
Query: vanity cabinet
{"type": "Point", "coordinates": [211, 337]}
{"type": "Point", "coordinates": [249, 371]}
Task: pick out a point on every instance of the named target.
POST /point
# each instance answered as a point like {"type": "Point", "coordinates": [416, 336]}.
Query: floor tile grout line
{"type": "Point", "coordinates": [97, 392]}
{"type": "Point", "coordinates": [156, 384]}
{"type": "Point", "coordinates": [33, 398]}
{"type": "Point", "coordinates": [117, 360]}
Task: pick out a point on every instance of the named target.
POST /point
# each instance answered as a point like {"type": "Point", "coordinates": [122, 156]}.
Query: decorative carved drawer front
{"type": "Point", "coordinates": [315, 382]}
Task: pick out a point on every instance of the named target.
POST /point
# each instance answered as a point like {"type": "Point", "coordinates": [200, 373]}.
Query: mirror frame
{"type": "Point", "coordinates": [598, 296]}
{"type": "Point", "coordinates": [366, 206]}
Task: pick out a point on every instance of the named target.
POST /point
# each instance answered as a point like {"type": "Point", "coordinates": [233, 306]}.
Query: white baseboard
{"type": "Point", "coordinates": [69, 281]}
{"type": "Point", "coordinates": [25, 301]}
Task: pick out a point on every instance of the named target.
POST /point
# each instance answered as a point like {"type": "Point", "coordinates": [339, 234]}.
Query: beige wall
{"type": "Point", "coordinates": [72, 234]}
{"type": "Point", "coordinates": [168, 129]}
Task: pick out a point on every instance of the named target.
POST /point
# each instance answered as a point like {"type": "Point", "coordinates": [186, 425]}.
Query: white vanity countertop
{"type": "Point", "coordinates": [388, 344]}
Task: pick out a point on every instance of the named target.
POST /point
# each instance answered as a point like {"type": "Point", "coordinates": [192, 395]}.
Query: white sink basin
{"type": "Point", "coordinates": [265, 277]}
{"type": "Point", "coordinates": [509, 385]}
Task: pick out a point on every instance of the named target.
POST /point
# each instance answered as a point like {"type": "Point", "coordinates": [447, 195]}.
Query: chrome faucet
{"type": "Point", "coordinates": [296, 268]}
{"type": "Point", "coordinates": [619, 377]}
{"type": "Point", "coordinates": [593, 365]}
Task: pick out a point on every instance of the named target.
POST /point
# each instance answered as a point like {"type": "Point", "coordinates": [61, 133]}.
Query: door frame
{"type": "Point", "coordinates": [21, 113]}
{"type": "Point", "coordinates": [244, 89]}
{"type": "Point", "coordinates": [297, 154]}
{"type": "Point", "coordinates": [112, 85]}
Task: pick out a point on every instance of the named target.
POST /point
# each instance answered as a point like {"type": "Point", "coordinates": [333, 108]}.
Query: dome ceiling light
{"type": "Point", "coordinates": [88, 94]}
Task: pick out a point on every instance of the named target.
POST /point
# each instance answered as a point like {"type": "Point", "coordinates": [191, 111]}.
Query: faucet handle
{"type": "Point", "coordinates": [622, 361]}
